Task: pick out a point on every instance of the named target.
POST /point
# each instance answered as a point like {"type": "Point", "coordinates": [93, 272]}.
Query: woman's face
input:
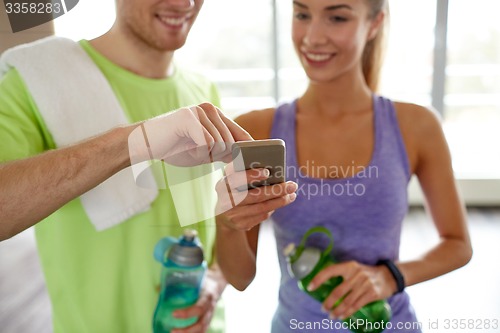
{"type": "Point", "coordinates": [161, 24]}
{"type": "Point", "coordinates": [330, 35]}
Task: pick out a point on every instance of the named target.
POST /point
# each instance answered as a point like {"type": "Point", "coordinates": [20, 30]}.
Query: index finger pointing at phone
{"type": "Point", "coordinates": [238, 133]}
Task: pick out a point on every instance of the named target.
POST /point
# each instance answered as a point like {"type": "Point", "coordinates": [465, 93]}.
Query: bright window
{"type": "Point", "coordinates": [472, 100]}
{"type": "Point", "coordinates": [231, 43]}
{"type": "Point", "coordinates": [407, 71]}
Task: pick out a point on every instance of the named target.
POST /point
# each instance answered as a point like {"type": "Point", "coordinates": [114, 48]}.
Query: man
{"type": "Point", "coordinates": [106, 280]}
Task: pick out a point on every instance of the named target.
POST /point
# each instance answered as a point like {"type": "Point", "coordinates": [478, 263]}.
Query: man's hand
{"type": "Point", "coordinates": [186, 137]}
{"type": "Point", "coordinates": [213, 286]}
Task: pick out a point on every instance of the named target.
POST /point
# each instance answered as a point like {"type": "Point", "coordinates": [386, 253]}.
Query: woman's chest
{"type": "Point", "coordinates": [346, 146]}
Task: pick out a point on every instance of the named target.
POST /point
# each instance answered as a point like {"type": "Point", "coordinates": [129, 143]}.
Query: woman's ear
{"type": "Point", "coordinates": [376, 25]}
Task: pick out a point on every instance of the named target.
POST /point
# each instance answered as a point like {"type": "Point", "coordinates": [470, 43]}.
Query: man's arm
{"type": "Point", "coordinates": [33, 188]}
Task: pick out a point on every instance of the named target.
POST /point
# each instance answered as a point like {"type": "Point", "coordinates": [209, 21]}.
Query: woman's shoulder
{"type": "Point", "coordinates": [420, 128]}
{"type": "Point", "coordinates": [417, 119]}
{"type": "Point", "coordinates": [258, 122]}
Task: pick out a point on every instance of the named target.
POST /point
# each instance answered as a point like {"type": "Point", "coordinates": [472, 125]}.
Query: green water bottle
{"type": "Point", "coordinates": [305, 262]}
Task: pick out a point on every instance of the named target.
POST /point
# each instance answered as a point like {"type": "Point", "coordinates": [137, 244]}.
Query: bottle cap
{"type": "Point", "coordinates": [190, 234]}
{"type": "Point", "coordinates": [305, 263]}
{"type": "Point", "coordinates": [187, 252]}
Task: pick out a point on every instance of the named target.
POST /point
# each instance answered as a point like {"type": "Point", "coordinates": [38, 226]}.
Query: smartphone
{"type": "Point", "coordinates": [269, 154]}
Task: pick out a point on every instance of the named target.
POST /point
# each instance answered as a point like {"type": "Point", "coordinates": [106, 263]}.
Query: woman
{"type": "Point", "coordinates": [352, 154]}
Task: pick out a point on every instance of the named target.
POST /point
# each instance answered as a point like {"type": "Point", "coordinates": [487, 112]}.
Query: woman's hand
{"type": "Point", "coordinates": [362, 284]}
{"type": "Point", "coordinates": [244, 209]}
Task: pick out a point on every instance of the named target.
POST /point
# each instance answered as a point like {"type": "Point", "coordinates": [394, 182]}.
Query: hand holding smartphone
{"type": "Point", "coordinates": [268, 154]}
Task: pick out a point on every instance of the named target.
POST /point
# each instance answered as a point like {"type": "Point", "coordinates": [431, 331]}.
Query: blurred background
{"type": "Point", "coordinates": [443, 54]}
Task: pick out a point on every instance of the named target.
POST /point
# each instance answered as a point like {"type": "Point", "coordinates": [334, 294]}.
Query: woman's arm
{"type": "Point", "coordinates": [430, 161]}
{"type": "Point", "coordinates": [432, 165]}
{"type": "Point", "coordinates": [238, 227]}
{"type": "Point", "coordinates": [237, 253]}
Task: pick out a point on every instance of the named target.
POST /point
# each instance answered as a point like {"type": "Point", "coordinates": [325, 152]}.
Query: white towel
{"type": "Point", "coordinates": [77, 102]}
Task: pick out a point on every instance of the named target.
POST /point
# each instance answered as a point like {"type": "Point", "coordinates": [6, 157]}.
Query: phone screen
{"type": "Point", "coordinates": [269, 154]}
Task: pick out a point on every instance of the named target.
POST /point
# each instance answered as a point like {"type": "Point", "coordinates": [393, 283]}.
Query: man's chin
{"type": "Point", "coordinates": [170, 45]}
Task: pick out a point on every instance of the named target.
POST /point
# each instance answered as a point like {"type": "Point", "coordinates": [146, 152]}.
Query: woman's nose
{"type": "Point", "coordinates": [181, 4]}
{"type": "Point", "coordinates": [315, 34]}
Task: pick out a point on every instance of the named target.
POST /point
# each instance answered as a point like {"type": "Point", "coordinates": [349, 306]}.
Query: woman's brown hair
{"type": "Point", "coordinates": [373, 53]}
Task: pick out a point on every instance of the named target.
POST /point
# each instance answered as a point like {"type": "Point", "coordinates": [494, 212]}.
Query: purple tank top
{"type": "Point", "coordinates": [363, 212]}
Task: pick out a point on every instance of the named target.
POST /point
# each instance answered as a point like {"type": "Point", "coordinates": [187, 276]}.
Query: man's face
{"type": "Point", "coordinates": [160, 24]}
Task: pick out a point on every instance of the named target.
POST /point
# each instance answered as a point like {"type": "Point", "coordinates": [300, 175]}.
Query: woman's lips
{"type": "Point", "coordinates": [318, 58]}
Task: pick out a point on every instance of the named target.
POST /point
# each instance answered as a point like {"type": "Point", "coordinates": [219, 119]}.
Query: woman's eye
{"type": "Point", "coordinates": [301, 16]}
{"type": "Point", "coordinates": [338, 19]}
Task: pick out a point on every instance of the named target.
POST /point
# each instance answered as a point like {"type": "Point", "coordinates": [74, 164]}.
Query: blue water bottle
{"type": "Point", "coordinates": [183, 268]}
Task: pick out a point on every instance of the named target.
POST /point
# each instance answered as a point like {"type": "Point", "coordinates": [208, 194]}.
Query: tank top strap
{"type": "Point", "coordinates": [284, 121]}
{"type": "Point", "coordinates": [389, 139]}
{"type": "Point", "coordinates": [284, 128]}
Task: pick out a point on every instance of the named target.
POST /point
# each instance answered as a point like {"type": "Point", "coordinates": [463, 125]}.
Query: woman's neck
{"type": "Point", "coordinates": [337, 97]}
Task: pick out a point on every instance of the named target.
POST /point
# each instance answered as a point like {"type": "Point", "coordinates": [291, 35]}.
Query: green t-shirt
{"type": "Point", "coordinates": [103, 281]}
